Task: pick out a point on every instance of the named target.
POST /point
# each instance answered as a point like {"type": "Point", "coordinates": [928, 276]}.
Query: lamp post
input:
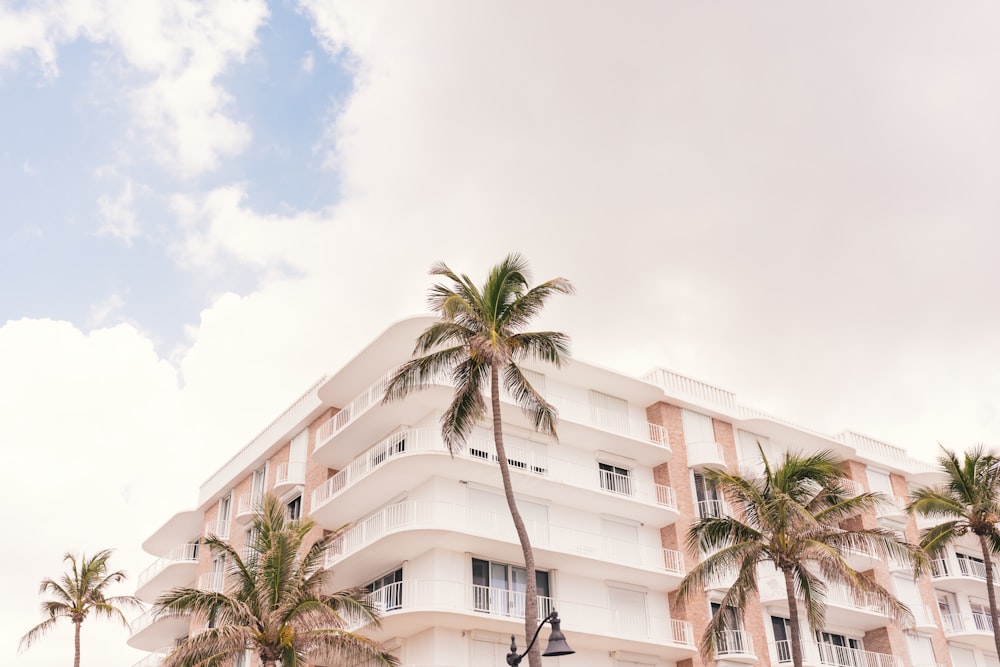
{"type": "Point", "coordinates": [557, 641]}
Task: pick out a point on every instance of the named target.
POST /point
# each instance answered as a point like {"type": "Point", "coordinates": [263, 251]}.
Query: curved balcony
{"type": "Point", "coordinates": [705, 455]}
{"type": "Point", "coordinates": [378, 542]}
{"type": "Point", "coordinates": [588, 426]}
{"type": "Point", "coordinates": [289, 475]}
{"type": "Point", "coordinates": [175, 569]}
{"type": "Point", "coordinates": [420, 453]}
{"type": "Point", "coordinates": [842, 607]}
{"type": "Point", "coordinates": [247, 507]}
{"type": "Point", "coordinates": [974, 629]}
{"type": "Point", "coordinates": [961, 575]}
{"type": "Point", "coordinates": [735, 646]}
{"type": "Point", "coordinates": [410, 606]}
{"type": "Point", "coordinates": [151, 632]}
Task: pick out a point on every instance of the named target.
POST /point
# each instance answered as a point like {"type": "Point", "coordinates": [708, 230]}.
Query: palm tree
{"type": "Point", "coordinates": [790, 516]}
{"type": "Point", "coordinates": [274, 602]}
{"type": "Point", "coordinates": [479, 341]}
{"type": "Point", "coordinates": [79, 592]}
{"type": "Point", "coordinates": [968, 502]}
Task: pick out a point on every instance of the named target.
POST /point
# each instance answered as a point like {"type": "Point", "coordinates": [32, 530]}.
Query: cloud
{"type": "Point", "coordinates": [308, 62]}
{"type": "Point", "coordinates": [100, 312]}
{"type": "Point", "coordinates": [173, 52]}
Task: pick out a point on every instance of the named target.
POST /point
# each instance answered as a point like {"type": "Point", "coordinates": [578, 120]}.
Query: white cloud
{"type": "Point", "coordinates": [100, 312]}
{"type": "Point", "coordinates": [308, 62]}
{"type": "Point", "coordinates": [178, 49]}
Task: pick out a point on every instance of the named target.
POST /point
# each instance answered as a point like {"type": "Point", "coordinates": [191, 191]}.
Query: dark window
{"type": "Point", "coordinates": [615, 479]}
{"type": "Point", "coordinates": [294, 508]}
{"type": "Point", "coordinates": [388, 590]}
{"type": "Point", "coordinates": [499, 588]}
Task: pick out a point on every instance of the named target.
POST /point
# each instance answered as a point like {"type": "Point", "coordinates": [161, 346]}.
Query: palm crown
{"type": "Point", "coordinates": [791, 517]}
{"type": "Point", "coordinates": [77, 594]}
{"type": "Point", "coordinates": [967, 503]}
{"type": "Point", "coordinates": [479, 341]}
{"type": "Point", "coordinates": [274, 602]}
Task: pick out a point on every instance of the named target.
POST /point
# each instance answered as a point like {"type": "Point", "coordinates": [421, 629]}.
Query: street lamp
{"type": "Point", "coordinates": [557, 642]}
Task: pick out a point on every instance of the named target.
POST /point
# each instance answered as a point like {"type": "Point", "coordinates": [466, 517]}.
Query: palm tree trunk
{"type": "Point", "coordinates": [990, 591]}
{"type": "Point", "coordinates": [76, 643]}
{"type": "Point", "coordinates": [530, 585]}
{"type": "Point", "coordinates": [793, 618]}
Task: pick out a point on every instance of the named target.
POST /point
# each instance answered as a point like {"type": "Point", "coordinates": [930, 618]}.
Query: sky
{"type": "Point", "coordinates": [206, 206]}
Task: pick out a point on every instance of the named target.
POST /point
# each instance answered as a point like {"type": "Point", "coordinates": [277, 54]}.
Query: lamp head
{"type": "Point", "coordinates": [557, 640]}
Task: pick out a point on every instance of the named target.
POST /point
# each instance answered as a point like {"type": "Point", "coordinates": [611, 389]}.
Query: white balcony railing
{"type": "Point", "coordinates": [526, 460]}
{"type": "Point", "coordinates": [428, 595]}
{"type": "Point", "coordinates": [213, 582]}
{"type": "Point", "coordinates": [831, 654]}
{"type": "Point", "coordinates": [290, 472]}
{"type": "Point", "coordinates": [568, 409]}
{"type": "Point", "coordinates": [183, 553]}
{"type": "Point", "coordinates": [248, 504]}
{"type": "Point", "coordinates": [965, 623]}
{"type": "Point", "coordinates": [951, 566]}
{"type": "Point", "coordinates": [712, 509]}
{"type": "Point", "coordinates": [733, 642]}
{"type": "Point", "coordinates": [407, 516]}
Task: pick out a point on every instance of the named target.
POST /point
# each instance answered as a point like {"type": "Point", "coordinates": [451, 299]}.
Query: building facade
{"type": "Point", "coordinates": [607, 506]}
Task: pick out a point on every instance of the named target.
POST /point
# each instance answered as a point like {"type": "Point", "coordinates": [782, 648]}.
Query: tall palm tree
{"type": "Point", "coordinates": [790, 516]}
{"type": "Point", "coordinates": [274, 602]}
{"type": "Point", "coordinates": [968, 502]}
{"type": "Point", "coordinates": [76, 594]}
{"type": "Point", "coordinates": [479, 341]}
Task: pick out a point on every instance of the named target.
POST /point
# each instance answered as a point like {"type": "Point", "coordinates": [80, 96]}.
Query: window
{"type": "Point", "coordinates": [222, 524]}
{"type": "Point", "coordinates": [708, 503]}
{"type": "Point", "coordinates": [257, 485]}
{"type": "Point", "coordinates": [490, 512]}
{"type": "Point", "coordinates": [293, 509]}
{"type": "Point", "coordinates": [879, 482]}
{"type": "Point", "coordinates": [731, 639]}
{"type": "Point", "coordinates": [749, 454]}
{"type": "Point", "coordinates": [781, 629]}
{"type": "Point", "coordinates": [948, 607]}
{"type": "Point", "coordinates": [971, 566]}
{"type": "Point", "coordinates": [621, 541]}
{"type": "Point", "coordinates": [615, 479]}
{"type": "Point", "coordinates": [387, 590]}
{"type": "Point", "coordinates": [921, 648]}
{"type": "Point", "coordinates": [498, 588]}
{"type": "Point", "coordinates": [981, 615]}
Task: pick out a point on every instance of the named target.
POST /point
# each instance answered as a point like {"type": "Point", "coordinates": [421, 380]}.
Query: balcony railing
{"type": "Point", "coordinates": [214, 582]}
{"type": "Point", "coordinates": [569, 410]}
{"type": "Point", "coordinates": [290, 472]}
{"type": "Point", "coordinates": [733, 642]}
{"type": "Point", "coordinates": [831, 654]}
{"type": "Point", "coordinates": [248, 504]}
{"type": "Point", "coordinates": [712, 509]}
{"type": "Point", "coordinates": [964, 623]}
{"type": "Point", "coordinates": [471, 521]}
{"type": "Point", "coordinates": [962, 567]}
{"type": "Point", "coordinates": [526, 460]}
{"type": "Point", "coordinates": [179, 554]}
{"type": "Point", "coordinates": [892, 506]}
{"type": "Point", "coordinates": [428, 595]}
